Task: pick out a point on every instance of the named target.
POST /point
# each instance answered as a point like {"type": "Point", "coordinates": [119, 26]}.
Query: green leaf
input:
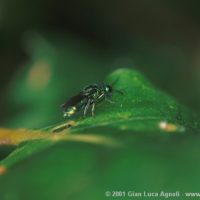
{"type": "Point", "coordinates": [141, 107]}
{"type": "Point", "coordinates": [145, 141]}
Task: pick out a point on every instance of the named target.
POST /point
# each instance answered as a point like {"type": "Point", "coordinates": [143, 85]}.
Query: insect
{"type": "Point", "coordinates": [87, 98]}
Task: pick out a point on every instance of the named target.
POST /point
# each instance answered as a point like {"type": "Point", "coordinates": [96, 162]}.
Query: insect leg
{"type": "Point", "coordinates": [86, 108]}
{"type": "Point", "coordinates": [108, 100]}
{"type": "Point", "coordinates": [93, 108]}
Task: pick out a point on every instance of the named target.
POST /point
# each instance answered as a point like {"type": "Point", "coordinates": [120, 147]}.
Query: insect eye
{"type": "Point", "coordinates": [108, 89]}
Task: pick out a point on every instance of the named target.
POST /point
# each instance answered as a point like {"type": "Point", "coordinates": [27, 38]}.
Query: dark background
{"type": "Point", "coordinates": [89, 39]}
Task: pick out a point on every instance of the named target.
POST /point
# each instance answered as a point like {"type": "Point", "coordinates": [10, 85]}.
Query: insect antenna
{"type": "Point", "coordinates": [116, 90]}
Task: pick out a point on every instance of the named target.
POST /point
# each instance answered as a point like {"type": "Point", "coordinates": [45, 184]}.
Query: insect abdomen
{"type": "Point", "coordinates": [70, 111]}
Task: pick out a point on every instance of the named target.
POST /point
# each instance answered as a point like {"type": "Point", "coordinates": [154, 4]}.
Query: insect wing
{"type": "Point", "coordinates": [73, 101]}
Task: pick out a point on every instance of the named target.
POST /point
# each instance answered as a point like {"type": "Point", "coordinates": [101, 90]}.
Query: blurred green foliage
{"type": "Point", "coordinates": [58, 69]}
{"type": "Point", "coordinates": [50, 50]}
{"type": "Point", "coordinates": [161, 39]}
{"type": "Point", "coordinates": [55, 72]}
{"type": "Point", "coordinates": [146, 141]}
